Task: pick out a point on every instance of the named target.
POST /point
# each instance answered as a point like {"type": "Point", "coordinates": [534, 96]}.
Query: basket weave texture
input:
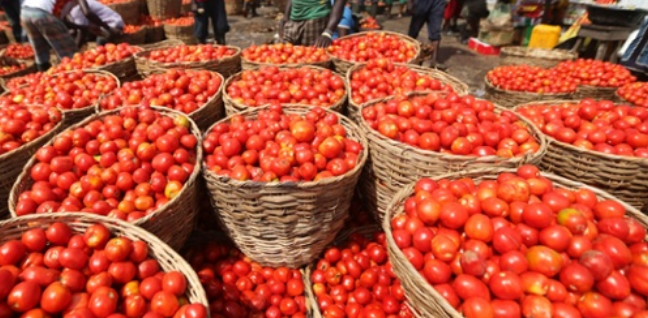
{"type": "Point", "coordinates": [595, 92]}
{"type": "Point", "coordinates": [249, 65]}
{"type": "Point", "coordinates": [287, 223]}
{"type": "Point", "coordinates": [164, 9]}
{"type": "Point", "coordinates": [173, 31]}
{"type": "Point", "coordinates": [154, 34]}
{"type": "Point", "coordinates": [30, 67]}
{"type": "Point", "coordinates": [128, 10]}
{"type": "Point", "coordinates": [420, 294]}
{"type": "Point", "coordinates": [142, 64]}
{"type": "Point", "coordinates": [173, 222]}
{"type": "Point", "coordinates": [516, 55]}
{"type": "Point", "coordinates": [225, 66]}
{"type": "Point", "coordinates": [137, 37]}
{"type": "Point", "coordinates": [510, 99]}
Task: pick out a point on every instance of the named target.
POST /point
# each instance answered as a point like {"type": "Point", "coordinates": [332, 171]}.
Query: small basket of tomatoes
{"type": "Point", "coordinates": [15, 68]}
{"type": "Point", "coordinates": [596, 79]}
{"type": "Point", "coordinates": [133, 35]}
{"type": "Point", "coordinates": [634, 93]}
{"type": "Point", "coordinates": [179, 28]}
{"type": "Point", "coordinates": [129, 10]}
{"type": "Point", "coordinates": [93, 266]}
{"type": "Point", "coordinates": [283, 55]}
{"type": "Point", "coordinates": [545, 58]}
{"type": "Point", "coordinates": [225, 60]}
{"type": "Point", "coordinates": [116, 59]}
{"type": "Point", "coordinates": [370, 24]}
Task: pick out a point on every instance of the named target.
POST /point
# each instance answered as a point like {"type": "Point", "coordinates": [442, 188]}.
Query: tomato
{"type": "Point", "coordinates": [577, 278]}
{"type": "Point", "coordinates": [103, 301]}
{"type": "Point", "coordinates": [55, 298]}
{"type": "Point", "coordinates": [593, 305]}
{"type": "Point", "coordinates": [468, 286]}
{"type": "Point", "coordinates": [164, 303]}
{"type": "Point", "coordinates": [24, 296]}
{"type": "Point", "coordinates": [506, 286]}
{"type": "Point", "coordinates": [477, 307]}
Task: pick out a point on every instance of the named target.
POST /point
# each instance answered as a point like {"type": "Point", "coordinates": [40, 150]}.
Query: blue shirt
{"type": "Point", "coordinates": [346, 21]}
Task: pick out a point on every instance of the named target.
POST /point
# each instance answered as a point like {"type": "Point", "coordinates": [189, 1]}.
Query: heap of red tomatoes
{"type": "Point", "coordinates": [22, 124]}
{"type": "Point", "coordinates": [99, 56]}
{"type": "Point", "coordinates": [238, 287]}
{"type": "Point", "coordinates": [180, 21]}
{"type": "Point", "coordinates": [284, 53]}
{"type": "Point", "coordinates": [520, 246]}
{"type": "Point", "coordinates": [150, 21]}
{"type": "Point", "coordinates": [182, 90]}
{"type": "Point", "coordinates": [8, 69]}
{"type": "Point", "coordinates": [370, 23]}
{"type": "Point", "coordinates": [636, 93]}
{"type": "Point", "coordinates": [280, 146]}
{"type": "Point", "coordinates": [21, 51]}
{"type": "Point", "coordinates": [451, 124]}
{"type": "Point", "coordinates": [55, 272]}
{"type": "Point", "coordinates": [596, 73]}
{"type": "Point", "coordinates": [269, 84]}
{"type": "Point", "coordinates": [125, 165]}
{"type": "Point", "coordinates": [72, 90]}
{"type": "Point", "coordinates": [356, 280]}
{"type": "Point", "coordinates": [600, 126]}
{"type": "Point", "coordinates": [190, 53]}
{"type": "Point", "coordinates": [381, 78]}
{"type": "Point", "coordinates": [26, 80]}
{"type": "Point", "coordinates": [534, 79]}
{"type": "Point", "coordinates": [130, 29]}
{"type": "Point", "coordinates": [373, 45]}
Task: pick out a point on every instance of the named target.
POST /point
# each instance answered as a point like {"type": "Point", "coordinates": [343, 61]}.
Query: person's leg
{"type": "Point", "coordinates": [12, 12]}
{"type": "Point", "coordinates": [312, 30]}
{"type": "Point", "coordinates": [435, 18]}
{"type": "Point", "coordinates": [219, 20]}
{"type": "Point", "coordinates": [36, 38]}
{"type": "Point", "coordinates": [201, 23]}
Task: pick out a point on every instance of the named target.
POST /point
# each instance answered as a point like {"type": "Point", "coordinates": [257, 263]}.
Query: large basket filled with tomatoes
{"type": "Point", "coordinates": [634, 93]}
{"type": "Point", "coordinates": [510, 86]}
{"type": "Point", "coordinates": [225, 60]}
{"type": "Point", "coordinates": [283, 55]}
{"type": "Point", "coordinates": [364, 46]}
{"type": "Point", "coordinates": [307, 85]}
{"type": "Point", "coordinates": [517, 243]}
{"type": "Point", "coordinates": [18, 51]}
{"type": "Point", "coordinates": [133, 35]}
{"type": "Point", "coordinates": [596, 79]}
{"type": "Point", "coordinates": [136, 163]}
{"type": "Point", "coordinates": [129, 10]}
{"type": "Point", "coordinates": [113, 58]}
{"type": "Point", "coordinates": [142, 64]}
{"type": "Point", "coordinates": [24, 129]}
{"type": "Point", "coordinates": [197, 93]}
{"type": "Point", "coordinates": [72, 264]}
{"type": "Point", "coordinates": [282, 193]}
{"type": "Point", "coordinates": [517, 55]}
{"type": "Point", "coordinates": [164, 9]}
{"type": "Point", "coordinates": [598, 143]}
{"type": "Point", "coordinates": [181, 28]}
{"type": "Point", "coordinates": [11, 68]}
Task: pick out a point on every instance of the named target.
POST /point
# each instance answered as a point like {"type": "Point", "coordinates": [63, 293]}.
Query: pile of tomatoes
{"type": "Point", "coordinates": [19, 51]}
{"type": "Point", "coordinates": [596, 73]}
{"type": "Point", "coordinates": [125, 165]}
{"type": "Point", "coordinates": [56, 272]}
{"type": "Point", "coordinates": [451, 124]}
{"type": "Point", "coordinates": [97, 57]}
{"type": "Point", "coordinates": [373, 45]}
{"type": "Point", "coordinates": [130, 29]}
{"type": "Point", "coordinates": [26, 80]}
{"type": "Point", "coordinates": [271, 85]}
{"type": "Point", "coordinates": [381, 78]}
{"type": "Point", "coordinates": [281, 146]}
{"type": "Point", "coordinates": [150, 21]}
{"type": "Point", "coordinates": [238, 287]}
{"type": "Point", "coordinates": [284, 53]}
{"type": "Point", "coordinates": [533, 79]}
{"type": "Point", "coordinates": [356, 280]}
{"type": "Point", "coordinates": [635, 93]}
{"type": "Point", "coordinates": [599, 126]}
{"type": "Point", "coordinates": [180, 21]}
{"type": "Point", "coordinates": [8, 69]}
{"type": "Point", "coordinates": [520, 246]}
{"type": "Point", "coordinates": [72, 90]}
{"type": "Point", "coordinates": [182, 90]}
{"type": "Point", "coordinates": [22, 124]}
{"type": "Point", "coordinates": [190, 53]}
{"type": "Point", "coordinates": [370, 23]}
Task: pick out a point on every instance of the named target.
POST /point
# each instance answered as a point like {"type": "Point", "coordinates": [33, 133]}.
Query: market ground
{"type": "Point", "coordinates": [468, 66]}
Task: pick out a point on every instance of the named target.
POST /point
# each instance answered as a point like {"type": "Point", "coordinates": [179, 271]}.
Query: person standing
{"type": "Point", "coordinates": [11, 9]}
{"type": "Point", "coordinates": [214, 10]}
{"type": "Point", "coordinates": [402, 6]}
{"type": "Point", "coordinates": [430, 12]}
{"type": "Point", "coordinates": [311, 22]}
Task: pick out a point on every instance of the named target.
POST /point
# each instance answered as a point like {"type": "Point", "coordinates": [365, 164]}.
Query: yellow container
{"type": "Point", "coordinates": [544, 36]}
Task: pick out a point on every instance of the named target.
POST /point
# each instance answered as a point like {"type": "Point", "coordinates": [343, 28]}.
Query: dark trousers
{"type": "Point", "coordinates": [12, 12]}
{"type": "Point", "coordinates": [430, 12]}
{"type": "Point", "coordinates": [214, 10]}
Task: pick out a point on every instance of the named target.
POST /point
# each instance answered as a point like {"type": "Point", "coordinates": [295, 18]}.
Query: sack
{"type": "Point", "coordinates": [500, 17]}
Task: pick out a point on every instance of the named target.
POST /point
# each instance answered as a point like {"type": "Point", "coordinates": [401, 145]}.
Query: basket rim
{"type": "Point", "coordinates": [105, 66]}
{"type": "Point", "coordinates": [406, 38]}
{"type": "Point", "coordinates": [292, 109]}
{"type": "Point", "coordinates": [141, 55]}
{"type": "Point", "coordinates": [30, 66]}
{"type": "Point", "coordinates": [492, 87]}
{"type": "Point", "coordinates": [260, 64]}
{"type": "Point", "coordinates": [519, 51]}
{"type": "Point", "coordinates": [13, 195]}
{"type": "Point", "coordinates": [47, 135]}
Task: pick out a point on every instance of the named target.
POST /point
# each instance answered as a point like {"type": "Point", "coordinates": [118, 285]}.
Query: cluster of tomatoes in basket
{"type": "Point", "coordinates": [596, 73]}
{"type": "Point", "coordinates": [22, 124]}
{"type": "Point", "coordinates": [180, 21]}
{"type": "Point", "coordinates": [272, 85]}
{"type": "Point", "coordinates": [521, 246]}
{"type": "Point", "coordinates": [600, 126]}
{"type": "Point", "coordinates": [371, 46]}
{"type": "Point", "coordinates": [57, 272]}
{"type": "Point", "coordinates": [635, 93]}
{"type": "Point", "coordinates": [190, 53]}
{"type": "Point", "coordinates": [25, 80]}
{"type": "Point", "coordinates": [19, 51]}
{"type": "Point", "coordinates": [381, 78]}
{"type": "Point", "coordinates": [534, 79]}
{"type": "Point", "coordinates": [124, 165]}
{"type": "Point", "coordinates": [182, 90]}
{"type": "Point", "coordinates": [370, 23]}
{"type": "Point", "coordinates": [284, 53]}
{"type": "Point", "coordinates": [281, 146]}
{"type": "Point", "coordinates": [356, 280]}
{"type": "Point", "coordinates": [72, 90]}
{"type": "Point", "coordinates": [131, 29]}
{"type": "Point", "coordinates": [451, 124]}
{"type": "Point", "coordinates": [150, 21]}
{"type": "Point", "coordinates": [238, 287]}
{"type": "Point", "coordinates": [8, 69]}
{"type": "Point", "coordinates": [97, 57]}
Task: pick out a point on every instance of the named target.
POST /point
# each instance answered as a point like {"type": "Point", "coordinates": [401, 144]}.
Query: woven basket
{"type": "Point", "coordinates": [164, 9]}
{"type": "Point", "coordinates": [624, 177]}
{"type": "Point", "coordinates": [121, 69]}
{"type": "Point", "coordinates": [168, 259]}
{"type": "Point", "coordinates": [154, 34]}
{"type": "Point", "coordinates": [173, 222]}
{"type": "Point", "coordinates": [516, 55]}
{"type": "Point", "coordinates": [249, 65]}
{"type": "Point", "coordinates": [287, 223]}
{"type": "Point", "coordinates": [30, 67]}
{"type": "Point", "coordinates": [510, 99]}
{"type": "Point", "coordinates": [136, 38]}
{"type": "Point", "coordinates": [342, 66]}
{"type": "Point", "coordinates": [225, 66]}
{"type": "Point", "coordinates": [143, 64]}
{"type": "Point", "coordinates": [420, 294]}
{"type": "Point", "coordinates": [172, 31]}
{"type": "Point", "coordinates": [595, 92]}
{"type": "Point", "coordinates": [128, 10]}
{"type": "Point", "coordinates": [457, 85]}
{"type": "Point", "coordinates": [232, 107]}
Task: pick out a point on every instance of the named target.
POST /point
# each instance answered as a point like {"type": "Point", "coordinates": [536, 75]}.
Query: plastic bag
{"type": "Point", "coordinates": [500, 16]}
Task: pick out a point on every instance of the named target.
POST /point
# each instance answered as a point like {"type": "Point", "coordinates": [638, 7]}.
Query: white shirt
{"type": "Point", "coordinates": [45, 5]}
{"type": "Point", "coordinates": [108, 15]}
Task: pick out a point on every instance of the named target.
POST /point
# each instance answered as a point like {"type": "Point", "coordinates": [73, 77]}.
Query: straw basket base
{"type": "Point", "coordinates": [515, 55]}
{"type": "Point", "coordinates": [585, 91]}
{"type": "Point", "coordinates": [511, 99]}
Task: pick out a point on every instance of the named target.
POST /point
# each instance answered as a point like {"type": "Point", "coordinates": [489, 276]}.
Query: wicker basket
{"type": "Point", "coordinates": [287, 223]}
{"type": "Point", "coordinates": [225, 66]}
{"type": "Point", "coordinates": [167, 258]}
{"type": "Point", "coordinates": [135, 38]}
{"type": "Point", "coordinates": [457, 85]}
{"type": "Point", "coordinates": [342, 66]}
{"type": "Point", "coordinates": [249, 65]}
{"type": "Point", "coordinates": [172, 31]}
{"type": "Point", "coordinates": [121, 69]}
{"type": "Point", "coordinates": [595, 92]}
{"type": "Point", "coordinates": [154, 34]}
{"type": "Point", "coordinates": [128, 10]}
{"type": "Point", "coordinates": [30, 67]}
{"type": "Point", "coordinates": [624, 177]}
{"type": "Point", "coordinates": [164, 9]}
{"type": "Point", "coordinates": [173, 222]}
{"type": "Point", "coordinates": [510, 99]}
{"type": "Point", "coordinates": [143, 64]}
{"type": "Point", "coordinates": [232, 107]}
{"type": "Point", "coordinates": [516, 55]}
{"type": "Point", "coordinates": [420, 294]}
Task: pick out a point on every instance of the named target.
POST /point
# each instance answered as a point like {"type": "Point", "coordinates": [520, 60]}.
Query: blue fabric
{"type": "Point", "coordinates": [214, 10]}
{"type": "Point", "coordinates": [346, 21]}
{"type": "Point", "coordinates": [430, 12]}
{"type": "Point", "coordinates": [636, 56]}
